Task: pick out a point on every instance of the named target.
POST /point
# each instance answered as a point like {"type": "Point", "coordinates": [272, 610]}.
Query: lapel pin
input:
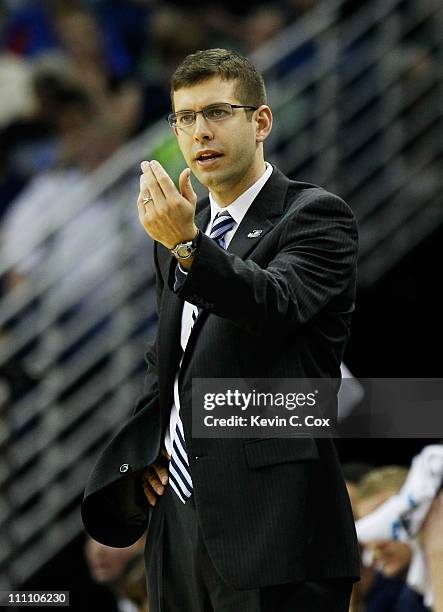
{"type": "Point", "coordinates": [255, 233]}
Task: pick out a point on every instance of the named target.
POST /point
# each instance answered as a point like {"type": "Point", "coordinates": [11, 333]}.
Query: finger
{"type": "Point", "coordinates": [164, 180]}
{"type": "Point", "coordinates": [146, 198]}
{"type": "Point", "coordinates": [149, 493]}
{"type": "Point", "coordinates": [154, 481]}
{"type": "Point", "coordinates": [147, 487]}
{"type": "Point", "coordinates": [142, 205]}
{"type": "Point", "coordinates": [144, 210]}
{"type": "Point", "coordinates": [149, 184]}
{"type": "Point", "coordinates": [149, 187]}
{"type": "Point", "coordinates": [162, 473]}
{"type": "Point", "coordinates": [185, 185]}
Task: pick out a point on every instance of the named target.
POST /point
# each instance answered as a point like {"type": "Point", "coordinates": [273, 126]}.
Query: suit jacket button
{"type": "Point", "coordinates": [124, 468]}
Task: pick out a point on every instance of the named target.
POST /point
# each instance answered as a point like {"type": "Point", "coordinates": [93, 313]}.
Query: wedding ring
{"type": "Point", "coordinates": [148, 199]}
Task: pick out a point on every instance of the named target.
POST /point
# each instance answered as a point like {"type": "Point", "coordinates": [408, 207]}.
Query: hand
{"type": "Point", "coordinates": [155, 478]}
{"type": "Point", "coordinates": [391, 557]}
{"type": "Point", "coordinates": [169, 217]}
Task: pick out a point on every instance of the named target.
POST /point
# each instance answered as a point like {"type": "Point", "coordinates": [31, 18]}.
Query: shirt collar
{"type": "Point", "coordinates": [239, 207]}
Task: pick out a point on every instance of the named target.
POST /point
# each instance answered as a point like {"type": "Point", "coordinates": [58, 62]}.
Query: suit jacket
{"type": "Point", "coordinates": [276, 306]}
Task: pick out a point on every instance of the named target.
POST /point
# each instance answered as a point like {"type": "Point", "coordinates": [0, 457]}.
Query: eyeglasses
{"type": "Point", "coordinates": [215, 112]}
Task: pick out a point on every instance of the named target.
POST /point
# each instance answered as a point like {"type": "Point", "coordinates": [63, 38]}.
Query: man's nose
{"type": "Point", "coordinates": [202, 129]}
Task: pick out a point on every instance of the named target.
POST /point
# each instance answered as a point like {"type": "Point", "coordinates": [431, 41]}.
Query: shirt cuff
{"type": "Point", "coordinates": [180, 277]}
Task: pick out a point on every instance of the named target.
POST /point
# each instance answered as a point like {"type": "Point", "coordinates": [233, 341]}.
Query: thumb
{"type": "Point", "coordinates": [186, 187]}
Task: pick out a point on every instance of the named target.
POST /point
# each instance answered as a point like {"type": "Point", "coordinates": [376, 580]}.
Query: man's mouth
{"type": "Point", "coordinates": [207, 158]}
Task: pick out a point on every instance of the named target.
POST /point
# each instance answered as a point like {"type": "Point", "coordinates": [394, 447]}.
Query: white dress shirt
{"type": "Point", "coordinates": [237, 209]}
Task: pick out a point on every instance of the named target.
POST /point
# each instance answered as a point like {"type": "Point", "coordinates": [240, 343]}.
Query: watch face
{"type": "Point", "coordinates": [183, 251]}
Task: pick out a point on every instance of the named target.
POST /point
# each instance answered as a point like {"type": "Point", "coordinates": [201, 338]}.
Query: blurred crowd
{"type": "Point", "coordinates": [80, 78]}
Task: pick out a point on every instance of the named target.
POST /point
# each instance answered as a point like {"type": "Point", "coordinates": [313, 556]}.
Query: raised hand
{"type": "Point", "coordinates": [168, 215]}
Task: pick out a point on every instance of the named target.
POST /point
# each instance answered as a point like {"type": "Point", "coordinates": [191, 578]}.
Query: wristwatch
{"type": "Point", "coordinates": [185, 250]}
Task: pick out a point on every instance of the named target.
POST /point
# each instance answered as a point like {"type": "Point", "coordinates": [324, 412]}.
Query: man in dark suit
{"type": "Point", "coordinates": [257, 282]}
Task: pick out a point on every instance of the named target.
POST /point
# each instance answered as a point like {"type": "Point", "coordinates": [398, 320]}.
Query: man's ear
{"type": "Point", "coordinates": [263, 121]}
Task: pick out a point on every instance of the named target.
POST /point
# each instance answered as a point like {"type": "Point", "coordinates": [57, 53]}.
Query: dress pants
{"type": "Point", "coordinates": [182, 578]}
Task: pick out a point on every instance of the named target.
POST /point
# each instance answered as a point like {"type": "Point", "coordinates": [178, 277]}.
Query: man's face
{"type": "Point", "coordinates": [238, 157]}
{"type": "Point", "coordinates": [106, 564]}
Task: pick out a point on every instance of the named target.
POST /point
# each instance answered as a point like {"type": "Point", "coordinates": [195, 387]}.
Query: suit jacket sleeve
{"type": "Point", "coordinates": [313, 259]}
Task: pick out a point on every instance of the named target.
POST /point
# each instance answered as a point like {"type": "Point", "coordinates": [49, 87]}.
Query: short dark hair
{"type": "Point", "coordinates": [226, 64]}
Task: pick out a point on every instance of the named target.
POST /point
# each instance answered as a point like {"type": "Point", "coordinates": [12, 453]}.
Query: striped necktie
{"type": "Point", "coordinates": [179, 476]}
{"type": "Point", "coordinates": [223, 223]}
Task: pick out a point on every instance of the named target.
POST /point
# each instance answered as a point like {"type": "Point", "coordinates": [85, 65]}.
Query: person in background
{"type": "Point", "coordinates": [385, 562]}
{"type": "Point", "coordinates": [121, 570]}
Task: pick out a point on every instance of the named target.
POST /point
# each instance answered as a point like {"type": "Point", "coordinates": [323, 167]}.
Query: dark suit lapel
{"type": "Point", "coordinates": [203, 214]}
{"type": "Point", "coordinates": [260, 218]}
{"type": "Point", "coordinates": [267, 206]}
{"type": "Point", "coordinates": [169, 349]}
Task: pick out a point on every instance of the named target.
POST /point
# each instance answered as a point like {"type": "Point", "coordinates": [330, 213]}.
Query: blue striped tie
{"type": "Point", "coordinates": [223, 223]}
{"type": "Point", "coordinates": [179, 476]}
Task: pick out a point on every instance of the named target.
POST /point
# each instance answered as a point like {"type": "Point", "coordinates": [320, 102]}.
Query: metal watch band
{"type": "Point", "coordinates": [185, 250]}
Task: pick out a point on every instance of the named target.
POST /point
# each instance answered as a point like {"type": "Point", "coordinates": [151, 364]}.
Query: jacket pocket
{"type": "Point", "coordinates": [272, 451]}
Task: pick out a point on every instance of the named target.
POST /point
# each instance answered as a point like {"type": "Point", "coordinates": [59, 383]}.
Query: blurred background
{"type": "Point", "coordinates": [356, 89]}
